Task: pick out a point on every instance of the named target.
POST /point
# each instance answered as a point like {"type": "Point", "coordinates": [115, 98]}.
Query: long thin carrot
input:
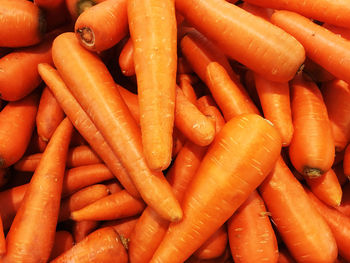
{"type": "Point", "coordinates": [108, 18]}
{"type": "Point", "coordinates": [262, 47]}
{"type": "Point", "coordinates": [124, 226]}
{"type": "Point", "coordinates": [316, 40]}
{"type": "Point", "coordinates": [17, 122]}
{"type": "Point", "coordinates": [312, 147]}
{"type": "Point", "coordinates": [241, 156]}
{"type": "Point", "coordinates": [152, 27]}
{"type": "Point", "coordinates": [85, 126]}
{"type": "Point", "coordinates": [103, 246]}
{"type": "Point", "coordinates": [187, 88]}
{"type": "Point", "coordinates": [126, 59]}
{"type": "Point", "coordinates": [275, 102]}
{"type": "Point", "coordinates": [82, 229]}
{"type": "Point", "coordinates": [301, 227]}
{"type": "Point", "coordinates": [132, 102]}
{"type": "Point", "coordinates": [22, 23]}
{"type": "Point", "coordinates": [63, 242]}
{"type": "Point", "coordinates": [40, 204]}
{"type": "Point", "coordinates": [2, 240]}
{"type": "Point", "coordinates": [109, 108]}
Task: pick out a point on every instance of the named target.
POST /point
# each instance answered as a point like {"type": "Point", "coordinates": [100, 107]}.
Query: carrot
{"type": "Point", "coordinates": [213, 113]}
{"type": "Point", "coordinates": [36, 144]}
{"type": "Point", "coordinates": [108, 18]}
{"type": "Point", "coordinates": [312, 128]}
{"type": "Point", "coordinates": [209, 199]}
{"type": "Point", "coordinates": [344, 207]}
{"type": "Point", "coordinates": [316, 72]}
{"type": "Point", "coordinates": [82, 229]}
{"type": "Point", "coordinates": [113, 186]}
{"type": "Point", "coordinates": [152, 27]}
{"type": "Point", "coordinates": [103, 246]}
{"type": "Point", "coordinates": [262, 47]}
{"type": "Point", "coordinates": [303, 230]}
{"type": "Point", "coordinates": [215, 246]}
{"type": "Point", "coordinates": [224, 258]}
{"type": "Point", "coordinates": [338, 223]}
{"type": "Point", "coordinates": [132, 101]}
{"type": "Point", "coordinates": [179, 141]}
{"type": "Point", "coordinates": [275, 102]}
{"type": "Point", "coordinates": [229, 95]}
{"type": "Point", "coordinates": [77, 7]}
{"type": "Point", "coordinates": [251, 236]}
{"type": "Point", "coordinates": [109, 108]}
{"type": "Point", "coordinates": [316, 39]}
{"type": "Point", "coordinates": [24, 242]}
{"type": "Point", "coordinates": [264, 13]}
{"type": "Point", "coordinates": [80, 199]}
{"type": "Point", "coordinates": [49, 115]}
{"type": "Point", "coordinates": [22, 23]}
{"type": "Point", "coordinates": [19, 75]}
{"type": "Point", "coordinates": [187, 88]}
{"type": "Point", "coordinates": [63, 242]}
{"type": "Point", "coordinates": [85, 126]}
{"type": "Point", "coordinates": [124, 226]}
{"type": "Point", "coordinates": [17, 122]}
{"type": "Point", "coordinates": [336, 95]}
{"type": "Point", "coordinates": [2, 240]}
{"type": "Point", "coordinates": [284, 256]}
{"type": "Point", "coordinates": [339, 30]}
{"type": "Point", "coordinates": [126, 59]}
{"type": "Point", "coordinates": [249, 84]}
{"type": "Point", "coordinates": [183, 67]}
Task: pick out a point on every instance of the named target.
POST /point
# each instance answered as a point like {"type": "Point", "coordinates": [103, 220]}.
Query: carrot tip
{"type": "Point", "coordinates": [82, 5]}
{"type": "Point", "coordinates": [87, 36]}
{"type": "Point", "coordinates": [312, 172]}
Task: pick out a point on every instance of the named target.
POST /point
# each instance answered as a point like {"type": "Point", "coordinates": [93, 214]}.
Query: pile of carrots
{"type": "Point", "coordinates": [170, 131]}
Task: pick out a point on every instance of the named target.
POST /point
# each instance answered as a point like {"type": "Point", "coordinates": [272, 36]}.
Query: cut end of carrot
{"type": "Point", "coordinates": [86, 36]}
{"type": "Point", "coordinates": [312, 172]}
{"type": "Point", "coordinates": [82, 5]}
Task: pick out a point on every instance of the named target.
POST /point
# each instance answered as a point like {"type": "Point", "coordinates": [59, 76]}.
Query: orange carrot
{"type": "Point", "coordinates": [312, 147]}
{"type": "Point", "coordinates": [63, 242]}
{"type": "Point", "coordinates": [316, 72]}
{"type": "Point", "coordinates": [108, 18]}
{"type": "Point", "coordinates": [301, 227]}
{"type": "Point", "coordinates": [40, 207]}
{"type": "Point", "coordinates": [126, 59]}
{"type": "Point", "coordinates": [343, 31]}
{"type": "Point", "coordinates": [152, 27]}
{"type": "Point", "coordinates": [103, 246]}
{"type": "Point", "coordinates": [36, 144]}
{"type": "Point", "coordinates": [183, 67]}
{"type": "Point", "coordinates": [336, 95]}
{"type": "Point", "coordinates": [2, 240]}
{"type": "Point", "coordinates": [275, 102]}
{"type": "Point", "coordinates": [259, 11]}
{"type": "Point", "coordinates": [17, 122]}
{"type": "Point", "coordinates": [49, 115]}
{"type": "Point", "coordinates": [344, 207]}
{"type": "Point", "coordinates": [77, 7]}
{"type": "Point", "coordinates": [251, 236]}
{"type": "Point", "coordinates": [262, 47]}
{"type": "Point", "coordinates": [213, 113]}
{"type": "Point", "coordinates": [316, 40]}
{"type": "Point", "coordinates": [132, 101]}
{"type": "Point", "coordinates": [284, 256]}
{"type": "Point", "coordinates": [109, 108]}
{"type": "Point", "coordinates": [209, 199]}
{"type": "Point", "coordinates": [178, 141]}
{"type": "Point", "coordinates": [22, 24]}
{"type": "Point", "coordinates": [186, 87]}
{"type": "Point", "coordinates": [113, 186]}
{"type": "Point", "coordinates": [82, 229]}
{"type": "Point", "coordinates": [124, 226]}
{"type": "Point", "coordinates": [85, 126]}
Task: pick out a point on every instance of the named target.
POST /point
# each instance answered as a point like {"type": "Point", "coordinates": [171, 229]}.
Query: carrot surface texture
{"type": "Point", "coordinates": [40, 205]}
{"type": "Point", "coordinates": [122, 132]}
{"type": "Point", "coordinates": [262, 47]}
{"type": "Point", "coordinates": [2, 240]}
{"type": "Point", "coordinates": [126, 59]}
{"type": "Point", "coordinates": [63, 242]}
{"type": "Point", "coordinates": [152, 27]}
{"type": "Point", "coordinates": [241, 156]}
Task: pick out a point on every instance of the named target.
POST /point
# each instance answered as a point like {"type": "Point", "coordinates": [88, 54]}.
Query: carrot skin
{"type": "Point", "coordinates": [2, 240]}
{"type": "Point", "coordinates": [126, 59]}
{"type": "Point", "coordinates": [63, 242]}
{"type": "Point", "coordinates": [344, 207]}
{"type": "Point", "coordinates": [82, 229]}
{"type": "Point", "coordinates": [124, 226]}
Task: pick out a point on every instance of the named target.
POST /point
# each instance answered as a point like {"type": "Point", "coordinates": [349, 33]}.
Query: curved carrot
{"type": "Point", "coordinates": [336, 95]}
{"type": "Point", "coordinates": [108, 18]}
{"type": "Point", "coordinates": [103, 246]}
{"type": "Point", "coordinates": [2, 240]}
{"type": "Point", "coordinates": [303, 230]}
{"type": "Point", "coordinates": [152, 27]}
{"type": "Point", "coordinates": [213, 113]}
{"type": "Point", "coordinates": [275, 102]}
{"type": "Point", "coordinates": [22, 23]}
{"type": "Point", "coordinates": [316, 72]}
{"type": "Point", "coordinates": [77, 7]}
{"type": "Point", "coordinates": [49, 115]}
{"type": "Point", "coordinates": [312, 147]}
{"type": "Point", "coordinates": [316, 40]}
{"type": "Point", "coordinates": [251, 236]}
{"type": "Point", "coordinates": [209, 199]}
{"type": "Point", "coordinates": [124, 226]}
{"type": "Point", "coordinates": [82, 229]}
{"type": "Point", "coordinates": [126, 59]}
{"type": "Point", "coordinates": [85, 126]}
{"type": "Point", "coordinates": [262, 47]}
{"type": "Point", "coordinates": [24, 243]}
{"type": "Point", "coordinates": [63, 242]}
{"type": "Point", "coordinates": [109, 107]}
{"type": "Point", "coordinates": [187, 88]}
{"type": "Point", "coordinates": [17, 122]}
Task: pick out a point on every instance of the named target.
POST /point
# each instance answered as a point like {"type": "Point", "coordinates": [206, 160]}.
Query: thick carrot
{"type": "Point", "coordinates": [85, 126]}
{"type": "Point", "coordinates": [209, 199]}
{"type": "Point", "coordinates": [152, 27]}
{"type": "Point", "coordinates": [338, 223]}
{"type": "Point", "coordinates": [259, 11]}
{"type": "Point", "coordinates": [126, 59]}
{"type": "Point", "coordinates": [108, 18]}
{"type": "Point", "coordinates": [40, 205]}
{"type": "Point", "coordinates": [275, 102]}
{"type": "Point", "coordinates": [82, 229]}
{"type": "Point", "coordinates": [17, 122]}
{"type": "Point", "coordinates": [316, 72]}
{"type": "Point", "coordinates": [336, 95]}
{"type": "Point", "coordinates": [344, 207]}
{"type": "Point", "coordinates": [63, 242]}
{"type": "Point", "coordinates": [215, 246]}
{"type": "Point", "coordinates": [312, 147]}
{"type": "Point", "coordinates": [49, 115]}
{"type": "Point", "coordinates": [2, 240]}
{"type": "Point", "coordinates": [124, 226]}
{"type": "Point", "coordinates": [301, 227]}
{"type": "Point", "coordinates": [343, 31]}
{"type": "Point", "coordinates": [103, 246]}
{"type": "Point", "coordinates": [251, 236]}
{"type": "Point", "coordinates": [262, 47]}
{"type": "Point", "coordinates": [109, 108]}
{"type": "Point", "coordinates": [316, 40]}
{"type": "Point", "coordinates": [77, 7]}
{"type": "Point", "coordinates": [22, 23]}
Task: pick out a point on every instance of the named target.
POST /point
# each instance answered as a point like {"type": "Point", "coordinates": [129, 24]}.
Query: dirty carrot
{"type": "Point", "coordinates": [126, 59]}
{"type": "Point", "coordinates": [63, 242]}
{"type": "Point", "coordinates": [82, 229]}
